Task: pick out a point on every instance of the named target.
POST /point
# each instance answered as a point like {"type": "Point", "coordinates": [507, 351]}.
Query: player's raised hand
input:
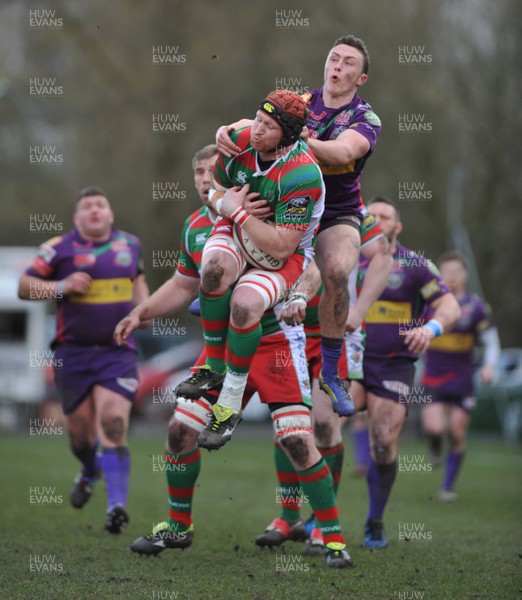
{"type": "Point", "coordinates": [125, 327]}
{"type": "Point", "coordinates": [418, 339]}
{"type": "Point", "coordinates": [224, 143]}
{"type": "Point", "coordinates": [76, 283]}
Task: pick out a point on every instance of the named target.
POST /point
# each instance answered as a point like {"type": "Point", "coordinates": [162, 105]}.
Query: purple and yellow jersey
{"type": "Point", "coordinates": [292, 185]}
{"type": "Point", "coordinates": [90, 319]}
{"type": "Point", "coordinates": [370, 231]}
{"type": "Point", "coordinates": [413, 284]}
{"type": "Point", "coordinates": [196, 230]}
{"type": "Point", "coordinates": [449, 359]}
{"type": "Point", "coordinates": [343, 188]}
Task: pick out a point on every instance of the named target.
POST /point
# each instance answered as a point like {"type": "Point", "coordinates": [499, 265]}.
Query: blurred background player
{"type": "Point", "coordinates": [448, 371]}
{"type": "Point", "coordinates": [393, 343]}
{"type": "Point", "coordinates": [274, 165]}
{"type": "Point", "coordinates": [95, 273]}
{"type": "Point", "coordinates": [342, 131]}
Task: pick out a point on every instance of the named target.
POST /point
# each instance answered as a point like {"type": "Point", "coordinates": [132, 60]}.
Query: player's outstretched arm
{"type": "Point", "coordinates": [349, 146]}
{"type": "Point", "coordinates": [175, 293]}
{"type": "Point", "coordinates": [379, 268]}
{"type": "Point", "coordinates": [447, 312]}
{"type": "Point", "coordinates": [75, 283]}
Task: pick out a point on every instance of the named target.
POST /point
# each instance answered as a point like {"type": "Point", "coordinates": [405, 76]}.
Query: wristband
{"type": "Point", "coordinates": [296, 297]}
{"type": "Point", "coordinates": [217, 208]}
{"type": "Point", "coordinates": [435, 327]}
{"type": "Point", "coordinates": [239, 216]}
{"type": "Point", "coordinates": [58, 290]}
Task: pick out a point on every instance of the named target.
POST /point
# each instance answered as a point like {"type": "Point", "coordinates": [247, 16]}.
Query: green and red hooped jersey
{"type": "Point", "coordinates": [292, 184]}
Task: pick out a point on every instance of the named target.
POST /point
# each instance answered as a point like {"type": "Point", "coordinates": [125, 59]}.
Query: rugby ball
{"type": "Point", "coordinates": [254, 255]}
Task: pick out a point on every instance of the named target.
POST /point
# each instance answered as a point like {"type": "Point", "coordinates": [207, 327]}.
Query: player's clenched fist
{"type": "Point", "coordinates": [76, 283]}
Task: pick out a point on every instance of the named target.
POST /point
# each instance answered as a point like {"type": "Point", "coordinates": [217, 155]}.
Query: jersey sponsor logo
{"type": "Point", "coordinates": [344, 117]}
{"type": "Point", "coordinates": [119, 244]}
{"type": "Point", "coordinates": [395, 280]}
{"type": "Point", "coordinates": [46, 252]}
{"type": "Point", "coordinates": [105, 291]}
{"type": "Point", "coordinates": [431, 288]}
{"type": "Point", "coordinates": [241, 177]}
{"type": "Point", "coordinates": [128, 383]}
{"type": "Point", "coordinates": [268, 107]}
{"type": "Point", "coordinates": [315, 117]}
{"type": "Point", "coordinates": [372, 118]}
{"type": "Point", "coordinates": [337, 132]}
{"type": "Point", "coordinates": [85, 259]}
{"type": "Point", "coordinates": [453, 342]}
{"type": "Point", "coordinates": [297, 208]}
{"type": "Point", "coordinates": [123, 258]}
{"type": "Point", "coordinates": [201, 238]}
{"type": "Point", "coordinates": [388, 312]}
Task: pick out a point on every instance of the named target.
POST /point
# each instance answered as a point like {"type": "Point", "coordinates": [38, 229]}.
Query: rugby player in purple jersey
{"type": "Point", "coordinates": [342, 131]}
{"type": "Point", "coordinates": [95, 274]}
{"type": "Point", "coordinates": [448, 371]}
{"type": "Point", "coordinates": [395, 336]}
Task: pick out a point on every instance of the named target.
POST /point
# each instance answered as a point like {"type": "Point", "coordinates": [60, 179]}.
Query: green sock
{"type": "Point", "coordinates": [182, 472]}
{"type": "Point", "coordinates": [289, 489]}
{"type": "Point", "coordinates": [317, 485]}
{"type": "Point", "coordinates": [215, 312]}
{"type": "Point", "coordinates": [242, 346]}
{"type": "Point", "coordinates": [334, 459]}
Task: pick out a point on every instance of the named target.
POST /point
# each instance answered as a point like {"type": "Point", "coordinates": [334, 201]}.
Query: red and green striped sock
{"type": "Point", "coordinates": [215, 312]}
{"type": "Point", "coordinates": [334, 459]}
{"type": "Point", "coordinates": [182, 472]}
{"type": "Point", "coordinates": [241, 348]}
{"type": "Point", "coordinates": [289, 490]}
{"type": "Point", "coordinates": [317, 484]}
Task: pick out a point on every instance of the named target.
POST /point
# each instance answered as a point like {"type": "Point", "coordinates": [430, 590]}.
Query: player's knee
{"type": "Point", "coordinates": [212, 276]}
{"type": "Point", "coordinates": [323, 433]}
{"type": "Point", "coordinates": [335, 277]}
{"type": "Point", "coordinates": [297, 449]}
{"type": "Point", "coordinates": [240, 314]}
{"type": "Point", "coordinates": [381, 452]}
{"type": "Point", "coordinates": [178, 435]}
{"type": "Point", "coordinates": [114, 428]}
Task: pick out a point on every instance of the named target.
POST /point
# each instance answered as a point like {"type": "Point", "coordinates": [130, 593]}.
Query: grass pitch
{"type": "Point", "coordinates": [466, 550]}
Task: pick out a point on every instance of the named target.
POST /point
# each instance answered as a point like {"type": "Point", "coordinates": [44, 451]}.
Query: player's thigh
{"type": "Point", "coordinates": [81, 423]}
{"type": "Point", "coordinates": [433, 418]}
{"type": "Point", "coordinates": [337, 249]}
{"type": "Point", "coordinates": [386, 419]}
